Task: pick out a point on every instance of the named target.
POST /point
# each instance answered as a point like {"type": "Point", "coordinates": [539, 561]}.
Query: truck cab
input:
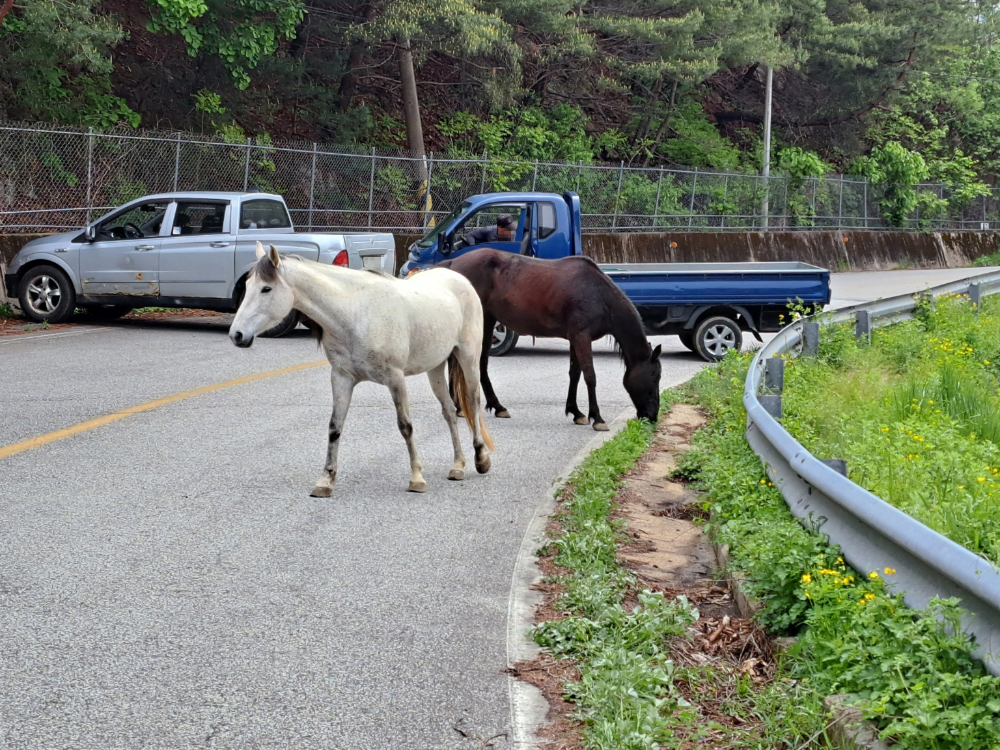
{"type": "Point", "coordinates": [546, 225]}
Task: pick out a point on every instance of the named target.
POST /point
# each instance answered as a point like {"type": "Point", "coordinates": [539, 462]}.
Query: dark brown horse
{"type": "Point", "coordinates": [569, 298]}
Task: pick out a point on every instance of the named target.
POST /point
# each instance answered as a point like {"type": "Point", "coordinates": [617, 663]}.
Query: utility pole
{"type": "Point", "coordinates": [767, 143]}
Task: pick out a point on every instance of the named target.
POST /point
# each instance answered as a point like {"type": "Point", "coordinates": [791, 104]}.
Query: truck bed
{"type": "Point", "coordinates": [752, 284]}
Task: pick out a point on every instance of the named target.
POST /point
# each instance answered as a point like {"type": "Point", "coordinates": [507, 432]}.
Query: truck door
{"type": "Point", "coordinates": [124, 257]}
{"type": "Point", "coordinates": [547, 240]}
{"type": "Point", "coordinates": [197, 258]}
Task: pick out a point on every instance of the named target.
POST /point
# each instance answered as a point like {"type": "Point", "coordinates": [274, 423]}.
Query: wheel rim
{"type": "Point", "coordinates": [499, 335]}
{"type": "Point", "coordinates": [719, 339]}
{"type": "Point", "coordinates": [44, 294]}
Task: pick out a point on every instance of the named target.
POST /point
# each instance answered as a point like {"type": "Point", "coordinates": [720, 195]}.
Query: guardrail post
{"type": "Point", "coordinates": [863, 326]}
{"type": "Point", "coordinates": [975, 295]}
{"type": "Point", "coordinates": [839, 465]}
{"type": "Point", "coordinates": [774, 374]}
{"type": "Point", "coordinates": [371, 190]}
{"type": "Point", "coordinates": [771, 404]}
{"type": "Point", "coordinates": [810, 338]}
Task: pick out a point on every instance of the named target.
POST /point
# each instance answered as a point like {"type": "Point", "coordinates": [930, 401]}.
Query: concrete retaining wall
{"type": "Point", "coordinates": [838, 251]}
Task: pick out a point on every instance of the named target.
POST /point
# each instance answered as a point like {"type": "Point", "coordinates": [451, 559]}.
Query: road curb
{"type": "Point", "coordinates": [528, 706]}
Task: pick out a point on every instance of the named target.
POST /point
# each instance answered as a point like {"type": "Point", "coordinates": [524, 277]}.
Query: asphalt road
{"type": "Point", "coordinates": [166, 582]}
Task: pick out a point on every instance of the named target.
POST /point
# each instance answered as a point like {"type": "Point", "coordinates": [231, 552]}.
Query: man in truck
{"type": "Point", "coordinates": [502, 232]}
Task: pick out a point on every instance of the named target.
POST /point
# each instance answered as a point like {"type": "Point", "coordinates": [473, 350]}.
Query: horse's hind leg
{"type": "Point", "coordinates": [343, 389]}
{"type": "Point", "coordinates": [574, 381]}
{"type": "Point", "coordinates": [467, 361]}
{"type": "Point", "coordinates": [397, 387]}
{"type": "Point", "coordinates": [492, 402]}
{"type": "Point", "coordinates": [439, 384]}
{"type": "Point", "coordinates": [585, 356]}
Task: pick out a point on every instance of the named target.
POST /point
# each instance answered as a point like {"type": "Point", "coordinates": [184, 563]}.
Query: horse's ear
{"type": "Point", "coordinates": [656, 354]}
{"type": "Point", "coordinates": [261, 252]}
{"type": "Point", "coordinates": [273, 255]}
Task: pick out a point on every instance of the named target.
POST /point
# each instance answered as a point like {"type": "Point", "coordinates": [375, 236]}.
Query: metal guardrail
{"type": "Point", "coordinates": [872, 534]}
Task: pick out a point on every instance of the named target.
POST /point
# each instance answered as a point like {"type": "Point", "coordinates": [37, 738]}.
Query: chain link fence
{"type": "Point", "coordinates": [58, 179]}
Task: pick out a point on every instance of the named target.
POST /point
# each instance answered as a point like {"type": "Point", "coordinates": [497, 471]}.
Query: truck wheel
{"type": "Point", "coordinates": [715, 336]}
{"type": "Point", "coordinates": [108, 312]}
{"type": "Point", "coordinates": [687, 339]}
{"type": "Point", "coordinates": [46, 294]}
{"type": "Point", "coordinates": [504, 340]}
{"type": "Point", "coordinates": [285, 326]}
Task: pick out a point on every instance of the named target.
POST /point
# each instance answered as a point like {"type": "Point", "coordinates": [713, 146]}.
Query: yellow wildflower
{"type": "Point", "coordinates": [890, 571]}
{"type": "Point", "coordinates": [980, 479]}
{"type": "Point", "coordinates": [873, 575]}
{"type": "Point", "coordinates": [869, 596]}
{"type": "Point", "coordinates": [806, 578]}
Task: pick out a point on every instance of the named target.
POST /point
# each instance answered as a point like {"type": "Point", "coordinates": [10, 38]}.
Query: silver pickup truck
{"type": "Point", "coordinates": [173, 250]}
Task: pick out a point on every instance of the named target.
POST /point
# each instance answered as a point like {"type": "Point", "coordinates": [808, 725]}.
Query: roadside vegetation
{"type": "Point", "coordinates": [917, 416]}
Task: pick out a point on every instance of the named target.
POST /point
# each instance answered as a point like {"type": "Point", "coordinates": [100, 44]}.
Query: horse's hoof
{"type": "Point", "coordinates": [503, 414]}
{"type": "Point", "coordinates": [321, 491]}
{"type": "Point", "coordinates": [483, 466]}
{"type": "Point", "coordinates": [460, 413]}
{"type": "Point", "coordinates": [582, 420]}
{"type": "Point", "coordinates": [457, 474]}
{"type": "Point", "coordinates": [600, 427]}
{"type": "Point", "coordinates": [417, 487]}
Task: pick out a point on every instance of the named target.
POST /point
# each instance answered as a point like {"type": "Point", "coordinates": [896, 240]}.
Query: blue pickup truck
{"type": "Point", "coordinates": [709, 306]}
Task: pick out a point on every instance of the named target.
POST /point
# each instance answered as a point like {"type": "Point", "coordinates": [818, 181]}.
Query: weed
{"type": "Point", "coordinates": [6, 311]}
{"type": "Point", "coordinates": [993, 259]}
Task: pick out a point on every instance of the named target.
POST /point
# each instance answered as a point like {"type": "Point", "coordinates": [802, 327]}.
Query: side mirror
{"type": "Point", "coordinates": [90, 233]}
{"type": "Point", "coordinates": [445, 246]}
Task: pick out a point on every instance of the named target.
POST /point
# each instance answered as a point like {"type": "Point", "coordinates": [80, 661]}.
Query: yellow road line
{"type": "Point", "coordinates": [93, 424]}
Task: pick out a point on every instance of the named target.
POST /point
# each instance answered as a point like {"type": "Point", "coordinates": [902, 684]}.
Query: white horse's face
{"type": "Point", "coordinates": [267, 301]}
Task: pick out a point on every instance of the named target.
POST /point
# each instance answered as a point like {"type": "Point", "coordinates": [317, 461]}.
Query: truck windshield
{"type": "Point", "coordinates": [443, 223]}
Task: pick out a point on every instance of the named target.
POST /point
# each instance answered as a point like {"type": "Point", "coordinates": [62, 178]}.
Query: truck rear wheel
{"type": "Point", "coordinates": [504, 340]}
{"type": "Point", "coordinates": [715, 336]}
{"type": "Point", "coordinates": [687, 339]}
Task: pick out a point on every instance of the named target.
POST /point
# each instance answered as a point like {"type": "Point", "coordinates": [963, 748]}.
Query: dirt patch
{"type": "Point", "coordinates": [171, 314]}
{"type": "Point", "coordinates": [12, 326]}
{"type": "Point", "coordinates": [667, 552]}
{"type": "Point", "coordinates": [15, 326]}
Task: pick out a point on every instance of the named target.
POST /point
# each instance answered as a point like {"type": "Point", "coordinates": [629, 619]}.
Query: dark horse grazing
{"type": "Point", "coordinates": [569, 298]}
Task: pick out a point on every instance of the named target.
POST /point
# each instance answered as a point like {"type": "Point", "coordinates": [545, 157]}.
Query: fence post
{"type": "Point", "coordinates": [427, 193]}
{"type": "Point", "coordinates": [312, 188]}
{"type": "Point", "coordinates": [246, 169]}
{"type": "Point", "coordinates": [725, 195]}
{"type": "Point", "coordinates": [534, 177]}
{"type": "Point", "coordinates": [482, 182]}
{"type": "Point", "coordinates": [866, 202]}
{"type": "Point", "coordinates": [618, 196]}
{"type": "Point", "coordinates": [90, 170]}
{"type": "Point", "coordinates": [579, 174]}
{"type": "Point", "coordinates": [694, 188]}
{"type": "Point", "coordinates": [656, 206]}
{"type": "Point", "coordinates": [177, 163]}
{"type": "Point", "coordinates": [815, 185]}
{"type": "Point", "coordinates": [371, 191]}
{"type": "Point", "coordinates": [840, 204]}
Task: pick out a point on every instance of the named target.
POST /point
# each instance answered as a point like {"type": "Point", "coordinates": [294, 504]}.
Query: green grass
{"type": "Point", "coordinates": [911, 671]}
{"type": "Point", "coordinates": [6, 311]}
{"type": "Point", "coordinates": [993, 259]}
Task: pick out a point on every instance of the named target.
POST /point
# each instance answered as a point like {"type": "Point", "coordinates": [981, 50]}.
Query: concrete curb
{"type": "Point", "coordinates": [528, 706]}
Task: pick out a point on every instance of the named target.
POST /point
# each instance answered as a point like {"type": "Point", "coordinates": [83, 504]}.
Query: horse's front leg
{"type": "Point", "coordinates": [396, 383]}
{"type": "Point", "coordinates": [492, 402]}
{"type": "Point", "coordinates": [343, 389]}
{"type": "Point", "coordinates": [440, 386]}
{"type": "Point", "coordinates": [574, 381]}
{"type": "Point", "coordinates": [585, 356]}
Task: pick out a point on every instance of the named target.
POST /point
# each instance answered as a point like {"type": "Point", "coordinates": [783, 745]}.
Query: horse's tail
{"type": "Point", "coordinates": [460, 388]}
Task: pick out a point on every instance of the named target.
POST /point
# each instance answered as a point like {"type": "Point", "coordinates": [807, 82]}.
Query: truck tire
{"type": "Point", "coordinates": [285, 326]}
{"type": "Point", "coordinates": [504, 340]}
{"type": "Point", "coordinates": [715, 336]}
{"type": "Point", "coordinates": [108, 312]}
{"type": "Point", "coordinates": [46, 295]}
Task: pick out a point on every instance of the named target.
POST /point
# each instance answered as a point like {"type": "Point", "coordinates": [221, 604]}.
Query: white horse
{"type": "Point", "coordinates": [378, 328]}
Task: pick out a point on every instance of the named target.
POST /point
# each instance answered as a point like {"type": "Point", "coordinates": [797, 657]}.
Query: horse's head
{"type": "Point", "coordinates": [267, 300]}
{"type": "Point", "coordinates": [642, 381]}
